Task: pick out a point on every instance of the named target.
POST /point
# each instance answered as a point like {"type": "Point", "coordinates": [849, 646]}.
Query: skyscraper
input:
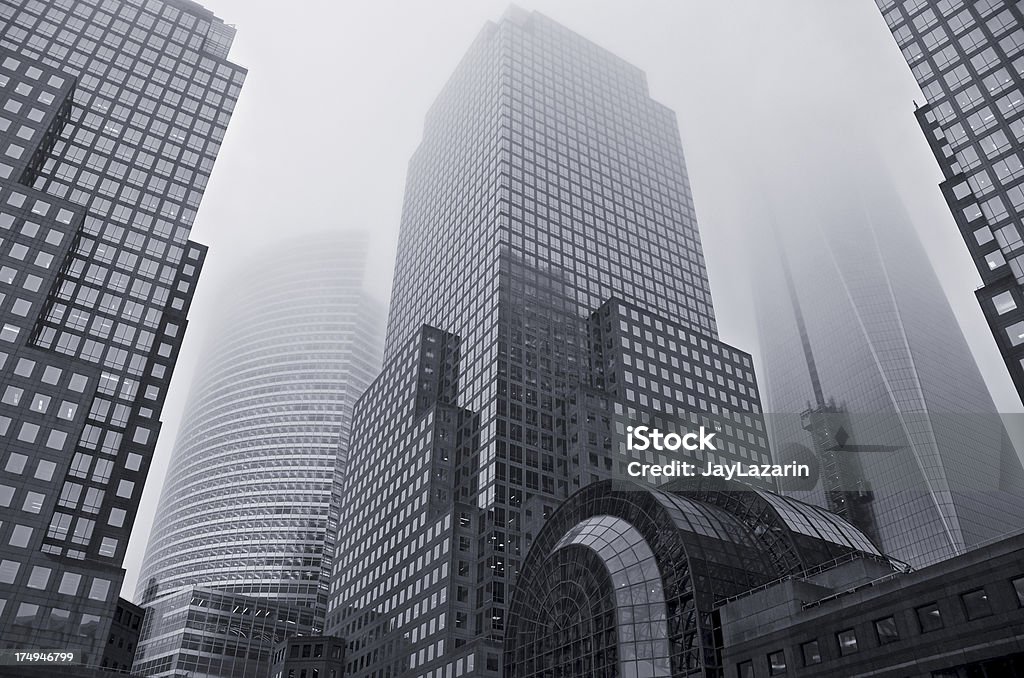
{"type": "Point", "coordinates": [864, 364]}
{"type": "Point", "coordinates": [968, 58]}
{"type": "Point", "coordinates": [113, 115]}
{"type": "Point", "coordinates": [249, 507]}
{"type": "Point", "coordinates": [549, 291]}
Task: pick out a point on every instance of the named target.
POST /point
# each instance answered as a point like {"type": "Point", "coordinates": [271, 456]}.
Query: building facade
{"type": "Point", "coordinates": [549, 292]}
{"type": "Point", "coordinates": [309, 657]}
{"type": "Point", "coordinates": [968, 58]}
{"type": "Point", "coordinates": [249, 505]}
{"type": "Point", "coordinates": [124, 637]}
{"type": "Point", "coordinates": [866, 369]}
{"type": "Point", "coordinates": [958, 618]}
{"type": "Point", "coordinates": [113, 115]}
{"type": "Point", "coordinates": [625, 581]}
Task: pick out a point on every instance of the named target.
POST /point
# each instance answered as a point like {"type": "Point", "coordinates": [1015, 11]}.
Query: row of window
{"type": "Point", "coordinates": [976, 605]}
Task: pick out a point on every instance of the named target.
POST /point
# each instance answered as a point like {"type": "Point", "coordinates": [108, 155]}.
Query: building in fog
{"type": "Point", "coordinates": [968, 58]}
{"type": "Point", "coordinates": [626, 581]}
{"type": "Point", "coordinates": [864, 365]}
{"type": "Point", "coordinates": [111, 118]}
{"type": "Point", "coordinates": [248, 512]}
{"type": "Point", "coordinates": [549, 291]}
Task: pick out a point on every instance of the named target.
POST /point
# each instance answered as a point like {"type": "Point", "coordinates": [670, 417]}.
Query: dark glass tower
{"type": "Point", "coordinates": [968, 58]}
{"type": "Point", "coordinates": [549, 291]}
{"type": "Point", "coordinates": [113, 113]}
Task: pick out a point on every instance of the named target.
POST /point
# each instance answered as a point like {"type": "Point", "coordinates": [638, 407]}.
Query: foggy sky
{"type": "Point", "coordinates": [334, 103]}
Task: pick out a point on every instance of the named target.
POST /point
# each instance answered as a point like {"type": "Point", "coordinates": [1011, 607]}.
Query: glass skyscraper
{"type": "Point", "coordinates": [865, 367]}
{"type": "Point", "coordinates": [968, 58]}
{"type": "Point", "coordinates": [549, 291]}
{"type": "Point", "coordinates": [112, 116]}
{"type": "Point", "coordinates": [249, 506]}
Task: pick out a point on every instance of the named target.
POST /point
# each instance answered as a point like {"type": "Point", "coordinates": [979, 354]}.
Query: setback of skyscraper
{"type": "Point", "coordinates": [549, 292]}
{"type": "Point", "coordinates": [244, 531]}
{"type": "Point", "coordinates": [112, 117]}
{"type": "Point", "coordinates": [968, 58]}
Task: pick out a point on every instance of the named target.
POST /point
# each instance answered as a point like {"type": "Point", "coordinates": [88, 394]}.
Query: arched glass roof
{"type": "Point", "coordinates": [819, 523]}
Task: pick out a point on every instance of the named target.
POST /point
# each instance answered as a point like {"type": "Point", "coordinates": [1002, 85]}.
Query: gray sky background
{"type": "Point", "coordinates": [337, 90]}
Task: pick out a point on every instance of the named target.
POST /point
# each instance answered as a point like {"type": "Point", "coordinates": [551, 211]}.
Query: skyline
{"type": "Point", "coordinates": [410, 60]}
{"type": "Point", "coordinates": [553, 270]}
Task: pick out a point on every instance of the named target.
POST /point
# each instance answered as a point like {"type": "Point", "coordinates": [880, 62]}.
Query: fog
{"type": "Point", "coordinates": [336, 94]}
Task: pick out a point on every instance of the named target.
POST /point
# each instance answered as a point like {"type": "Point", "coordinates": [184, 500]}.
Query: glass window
{"type": "Point", "coordinates": [929, 617]}
{"type": "Point", "coordinates": [28, 432]}
{"type": "Point", "coordinates": [9, 571]}
{"type": "Point", "coordinates": [886, 630]}
{"type": "Point", "coordinates": [1004, 303]}
{"type": "Point", "coordinates": [69, 583]}
{"type": "Point", "coordinates": [847, 641]}
{"type": "Point", "coordinates": [811, 652]}
{"type": "Point", "coordinates": [776, 663]}
{"type": "Point", "coordinates": [99, 589]}
{"type": "Point", "coordinates": [1015, 333]}
{"type": "Point", "coordinates": [45, 469]}
{"type": "Point", "coordinates": [1018, 587]}
{"type": "Point", "coordinates": [745, 670]}
{"type": "Point", "coordinates": [39, 578]}
{"type": "Point", "coordinates": [976, 604]}
{"type": "Point", "coordinates": [16, 463]}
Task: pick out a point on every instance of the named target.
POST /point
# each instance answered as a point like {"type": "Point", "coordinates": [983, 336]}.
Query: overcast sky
{"type": "Point", "coordinates": [334, 103]}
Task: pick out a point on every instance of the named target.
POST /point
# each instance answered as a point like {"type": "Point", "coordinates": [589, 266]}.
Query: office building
{"type": "Point", "coordinates": [249, 505]}
{"type": "Point", "coordinates": [626, 581]}
{"type": "Point", "coordinates": [865, 367]}
{"type": "Point", "coordinates": [958, 618]}
{"type": "Point", "coordinates": [124, 637]}
{"type": "Point", "coordinates": [206, 631]}
{"type": "Point", "coordinates": [549, 291]}
{"type": "Point", "coordinates": [968, 58]}
{"type": "Point", "coordinates": [112, 116]}
{"type": "Point", "coordinates": [310, 657]}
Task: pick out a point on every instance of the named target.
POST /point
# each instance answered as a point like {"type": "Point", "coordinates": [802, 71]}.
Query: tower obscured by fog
{"type": "Point", "coordinates": [864, 363]}
{"type": "Point", "coordinates": [549, 289]}
{"type": "Point", "coordinates": [247, 517]}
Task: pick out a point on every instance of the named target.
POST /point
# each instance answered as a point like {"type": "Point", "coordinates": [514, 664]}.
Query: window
{"type": "Point", "coordinates": [1004, 303]}
{"type": "Point", "coordinates": [886, 630]}
{"type": "Point", "coordinates": [1015, 333]}
{"type": "Point", "coordinates": [776, 663]}
{"type": "Point", "coordinates": [929, 617]}
{"type": "Point", "coordinates": [1018, 587]}
{"type": "Point", "coordinates": [811, 653]}
{"type": "Point", "coordinates": [69, 583]}
{"type": "Point", "coordinates": [976, 604]}
{"type": "Point", "coordinates": [745, 670]}
{"type": "Point", "coordinates": [847, 642]}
